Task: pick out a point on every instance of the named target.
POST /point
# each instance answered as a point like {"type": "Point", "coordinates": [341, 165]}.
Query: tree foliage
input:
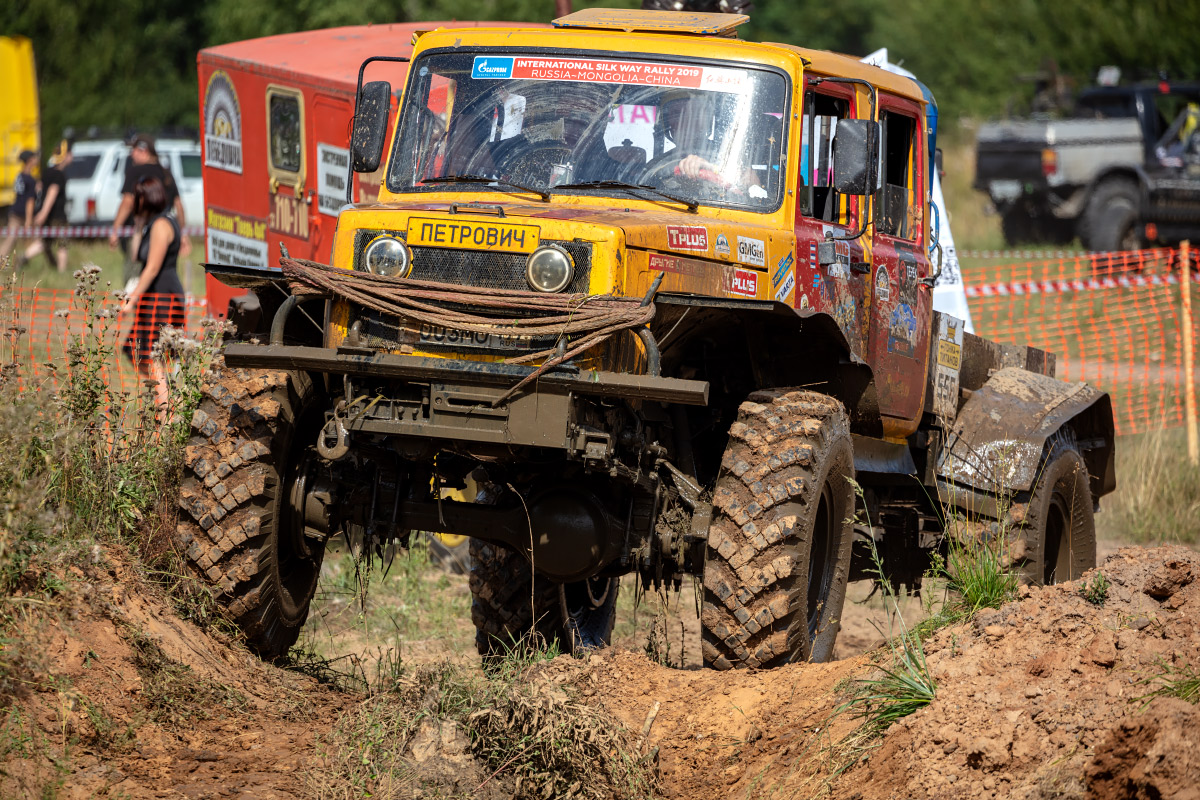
{"type": "Point", "coordinates": [122, 64]}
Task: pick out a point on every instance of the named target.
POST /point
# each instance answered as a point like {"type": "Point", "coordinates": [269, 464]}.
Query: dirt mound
{"type": "Point", "coordinates": [1049, 696]}
{"type": "Point", "coordinates": [126, 699]}
{"type": "Point", "coordinates": [1045, 697]}
{"type": "Point", "coordinates": [120, 697]}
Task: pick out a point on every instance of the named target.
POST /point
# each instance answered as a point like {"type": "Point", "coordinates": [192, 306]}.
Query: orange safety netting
{"type": "Point", "coordinates": [48, 330]}
{"type": "Point", "coordinates": [1114, 320]}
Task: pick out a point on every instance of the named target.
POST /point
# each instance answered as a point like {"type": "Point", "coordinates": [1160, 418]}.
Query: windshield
{"type": "Point", "coordinates": [698, 132]}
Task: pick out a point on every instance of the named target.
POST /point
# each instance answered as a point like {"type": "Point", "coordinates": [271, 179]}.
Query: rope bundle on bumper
{"type": "Point", "coordinates": [582, 320]}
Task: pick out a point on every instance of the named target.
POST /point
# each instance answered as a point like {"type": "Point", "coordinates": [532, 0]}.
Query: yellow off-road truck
{"type": "Point", "coordinates": [664, 296]}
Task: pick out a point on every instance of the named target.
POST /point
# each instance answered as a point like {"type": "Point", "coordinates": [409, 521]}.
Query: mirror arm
{"type": "Point", "coordinates": [932, 280]}
{"type": "Point", "coordinates": [357, 94]}
{"type": "Point", "coordinates": [817, 81]}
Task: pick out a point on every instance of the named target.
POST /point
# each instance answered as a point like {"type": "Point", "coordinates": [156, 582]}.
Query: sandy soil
{"type": "Point", "coordinates": [1045, 697]}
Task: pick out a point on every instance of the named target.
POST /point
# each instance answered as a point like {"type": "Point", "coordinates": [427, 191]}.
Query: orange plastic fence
{"type": "Point", "coordinates": [49, 328]}
{"type": "Point", "coordinates": [1113, 319]}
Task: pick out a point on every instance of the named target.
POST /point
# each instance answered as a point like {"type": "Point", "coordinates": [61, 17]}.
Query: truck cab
{"type": "Point", "coordinates": [664, 296]}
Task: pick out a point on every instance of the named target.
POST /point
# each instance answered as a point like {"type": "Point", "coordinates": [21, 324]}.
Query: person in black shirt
{"type": "Point", "coordinates": [144, 164]}
{"type": "Point", "coordinates": [157, 298]}
{"type": "Point", "coordinates": [52, 209]}
{"type": "Point", "coordinates": [20, 213]}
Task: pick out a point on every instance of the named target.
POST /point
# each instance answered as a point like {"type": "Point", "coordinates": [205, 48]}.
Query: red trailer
{"type": "Point", "coordinates": [276, 116]}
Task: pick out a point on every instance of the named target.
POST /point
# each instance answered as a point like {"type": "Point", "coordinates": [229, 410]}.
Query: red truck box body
{"type": "Point", "coordinates": [275, 118]}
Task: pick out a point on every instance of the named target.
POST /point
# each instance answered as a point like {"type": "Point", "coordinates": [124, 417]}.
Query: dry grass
{"type": "Point", "coordinates": [1157, 500]}
{"type": "Point", "coordinates": [523, 737]}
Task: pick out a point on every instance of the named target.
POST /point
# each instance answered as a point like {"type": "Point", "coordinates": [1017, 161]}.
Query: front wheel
{"type": "Point", "coordinates": [237, 530]}
{"type": "Point", "coordinates": [778, 551]}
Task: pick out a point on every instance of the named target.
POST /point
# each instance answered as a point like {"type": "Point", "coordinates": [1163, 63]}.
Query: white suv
{"type": "Point", "coordinates": [97, 172]}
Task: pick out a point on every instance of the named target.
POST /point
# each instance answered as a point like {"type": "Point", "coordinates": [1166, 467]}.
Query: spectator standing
{"type": "Point", "coordinates": [52, 209]}
{"type": "Point", "coordinates": [144, 163]}
{"type": "Point", "coordinates": [20, 213]}
{"type": "Point", "coordinates": [157, 297]}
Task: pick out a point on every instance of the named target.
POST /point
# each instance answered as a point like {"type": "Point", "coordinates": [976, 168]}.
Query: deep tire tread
{"type": "Point", "coordinates": [500, 583]}
{"type": "Point", "coordinates": [754, 614]}
{"type": "Point", "coordinates": [228, 495]}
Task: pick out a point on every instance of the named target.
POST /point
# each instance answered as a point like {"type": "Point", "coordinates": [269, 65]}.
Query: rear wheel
{"type": "Point", "coordinates": [1057, 534]}
{"type": "Point", "coordinates": [509, 601]}
{"type": "Point", "coordinates": [1109, 222]}
{"type": "Point", "coordinates": [244, 465]}
{"type": "Point", "coordinates": [779, 544]}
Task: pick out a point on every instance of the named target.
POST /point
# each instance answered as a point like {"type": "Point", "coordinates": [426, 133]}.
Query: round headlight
{"type": "Point", "coordinates": [549, 269]}
{"type": "Point", "coordinates": [388, 256]}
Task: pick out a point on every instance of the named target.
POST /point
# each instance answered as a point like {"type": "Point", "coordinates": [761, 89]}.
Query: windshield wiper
{"type": "Point", "coordinates": [692, 205]}
{"type": "Point", "coordinates": [542, 193]}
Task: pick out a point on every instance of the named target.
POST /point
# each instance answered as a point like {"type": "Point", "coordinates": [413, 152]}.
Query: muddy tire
{"type": "Point", "coordinates": [1056, 536]}
{"type": "Point", "coordinates": [779, 545]}
{"type": "Point", "coordinates": [235, 528]}
{"type": "Point", "coordinates": [509, 602]}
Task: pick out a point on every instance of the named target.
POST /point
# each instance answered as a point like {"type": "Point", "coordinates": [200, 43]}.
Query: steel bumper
{"type": "Point", "coordinates": [373, 364]}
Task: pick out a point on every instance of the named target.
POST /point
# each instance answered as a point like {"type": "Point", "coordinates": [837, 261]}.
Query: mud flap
{"type": "Point", "coordinates": [1000, 432]}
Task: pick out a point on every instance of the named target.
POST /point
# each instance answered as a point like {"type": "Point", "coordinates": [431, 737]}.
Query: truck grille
{"type": "Point", "coordinates": [482, 268]}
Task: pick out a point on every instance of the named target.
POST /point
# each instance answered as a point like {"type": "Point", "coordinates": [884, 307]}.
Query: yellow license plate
{"type": "Point", "coordinates": [472, 235]}
{"type": "Point", "coordinates": [949, 354]}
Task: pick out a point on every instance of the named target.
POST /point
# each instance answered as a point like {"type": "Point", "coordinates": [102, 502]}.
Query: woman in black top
{"type": "Point", "coordinates": [158, 296]}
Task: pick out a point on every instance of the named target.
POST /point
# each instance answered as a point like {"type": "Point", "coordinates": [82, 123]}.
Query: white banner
{"type": "Point", "coordinates": [333, 168]}
{"type": "Point", "coordinates": [232, 250]}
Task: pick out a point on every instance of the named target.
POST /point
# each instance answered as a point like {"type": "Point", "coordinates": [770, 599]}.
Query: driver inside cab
{"type": "Point", "coordinates": [693, 123]}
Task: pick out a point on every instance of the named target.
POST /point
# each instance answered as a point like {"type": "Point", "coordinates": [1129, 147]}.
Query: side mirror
{"type": "Point", "coordinates": [856, 156]}
{"type": "Point", "coordinates": [370, 125]}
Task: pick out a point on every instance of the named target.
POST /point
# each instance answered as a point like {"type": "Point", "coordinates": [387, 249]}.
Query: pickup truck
{"type": "Point", "coordinates": [1122, 173]}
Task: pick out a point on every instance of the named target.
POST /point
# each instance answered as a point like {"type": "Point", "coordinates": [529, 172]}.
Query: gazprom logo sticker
{"type": "Point", "coordinates": [492, 67]}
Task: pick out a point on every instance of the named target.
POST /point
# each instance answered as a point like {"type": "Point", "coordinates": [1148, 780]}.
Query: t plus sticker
{"type": "Point", "coordinates": [687, 237]}
{"type": "Point", "coordinates": [743, 283]}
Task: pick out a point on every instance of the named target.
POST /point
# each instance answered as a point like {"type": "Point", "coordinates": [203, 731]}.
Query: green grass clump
{"type": "Point", "coordinates": [1095, 591]}
{"type": "Point", "coordinates": [81, 463]}
{"type": "Point", "coordinates": [977, 576]}
{"type": "Point", "coordinates": [1181, 681]}
{"type": "Point", "coordinates": [902, 687]}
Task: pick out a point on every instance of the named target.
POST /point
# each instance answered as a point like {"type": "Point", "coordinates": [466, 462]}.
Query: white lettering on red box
{"type": "Point", "coordinates": [687, 237]}
{"type": "Point", "coordinates": [744, 283]}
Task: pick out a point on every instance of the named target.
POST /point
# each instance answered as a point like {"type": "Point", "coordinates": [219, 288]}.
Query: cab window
{"type": "Point", "coordinates": [818, 198]}
{"type": "Point", "coordinates": [894, 206]}
{"type": "Point", "coordinates": [285, 135]}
